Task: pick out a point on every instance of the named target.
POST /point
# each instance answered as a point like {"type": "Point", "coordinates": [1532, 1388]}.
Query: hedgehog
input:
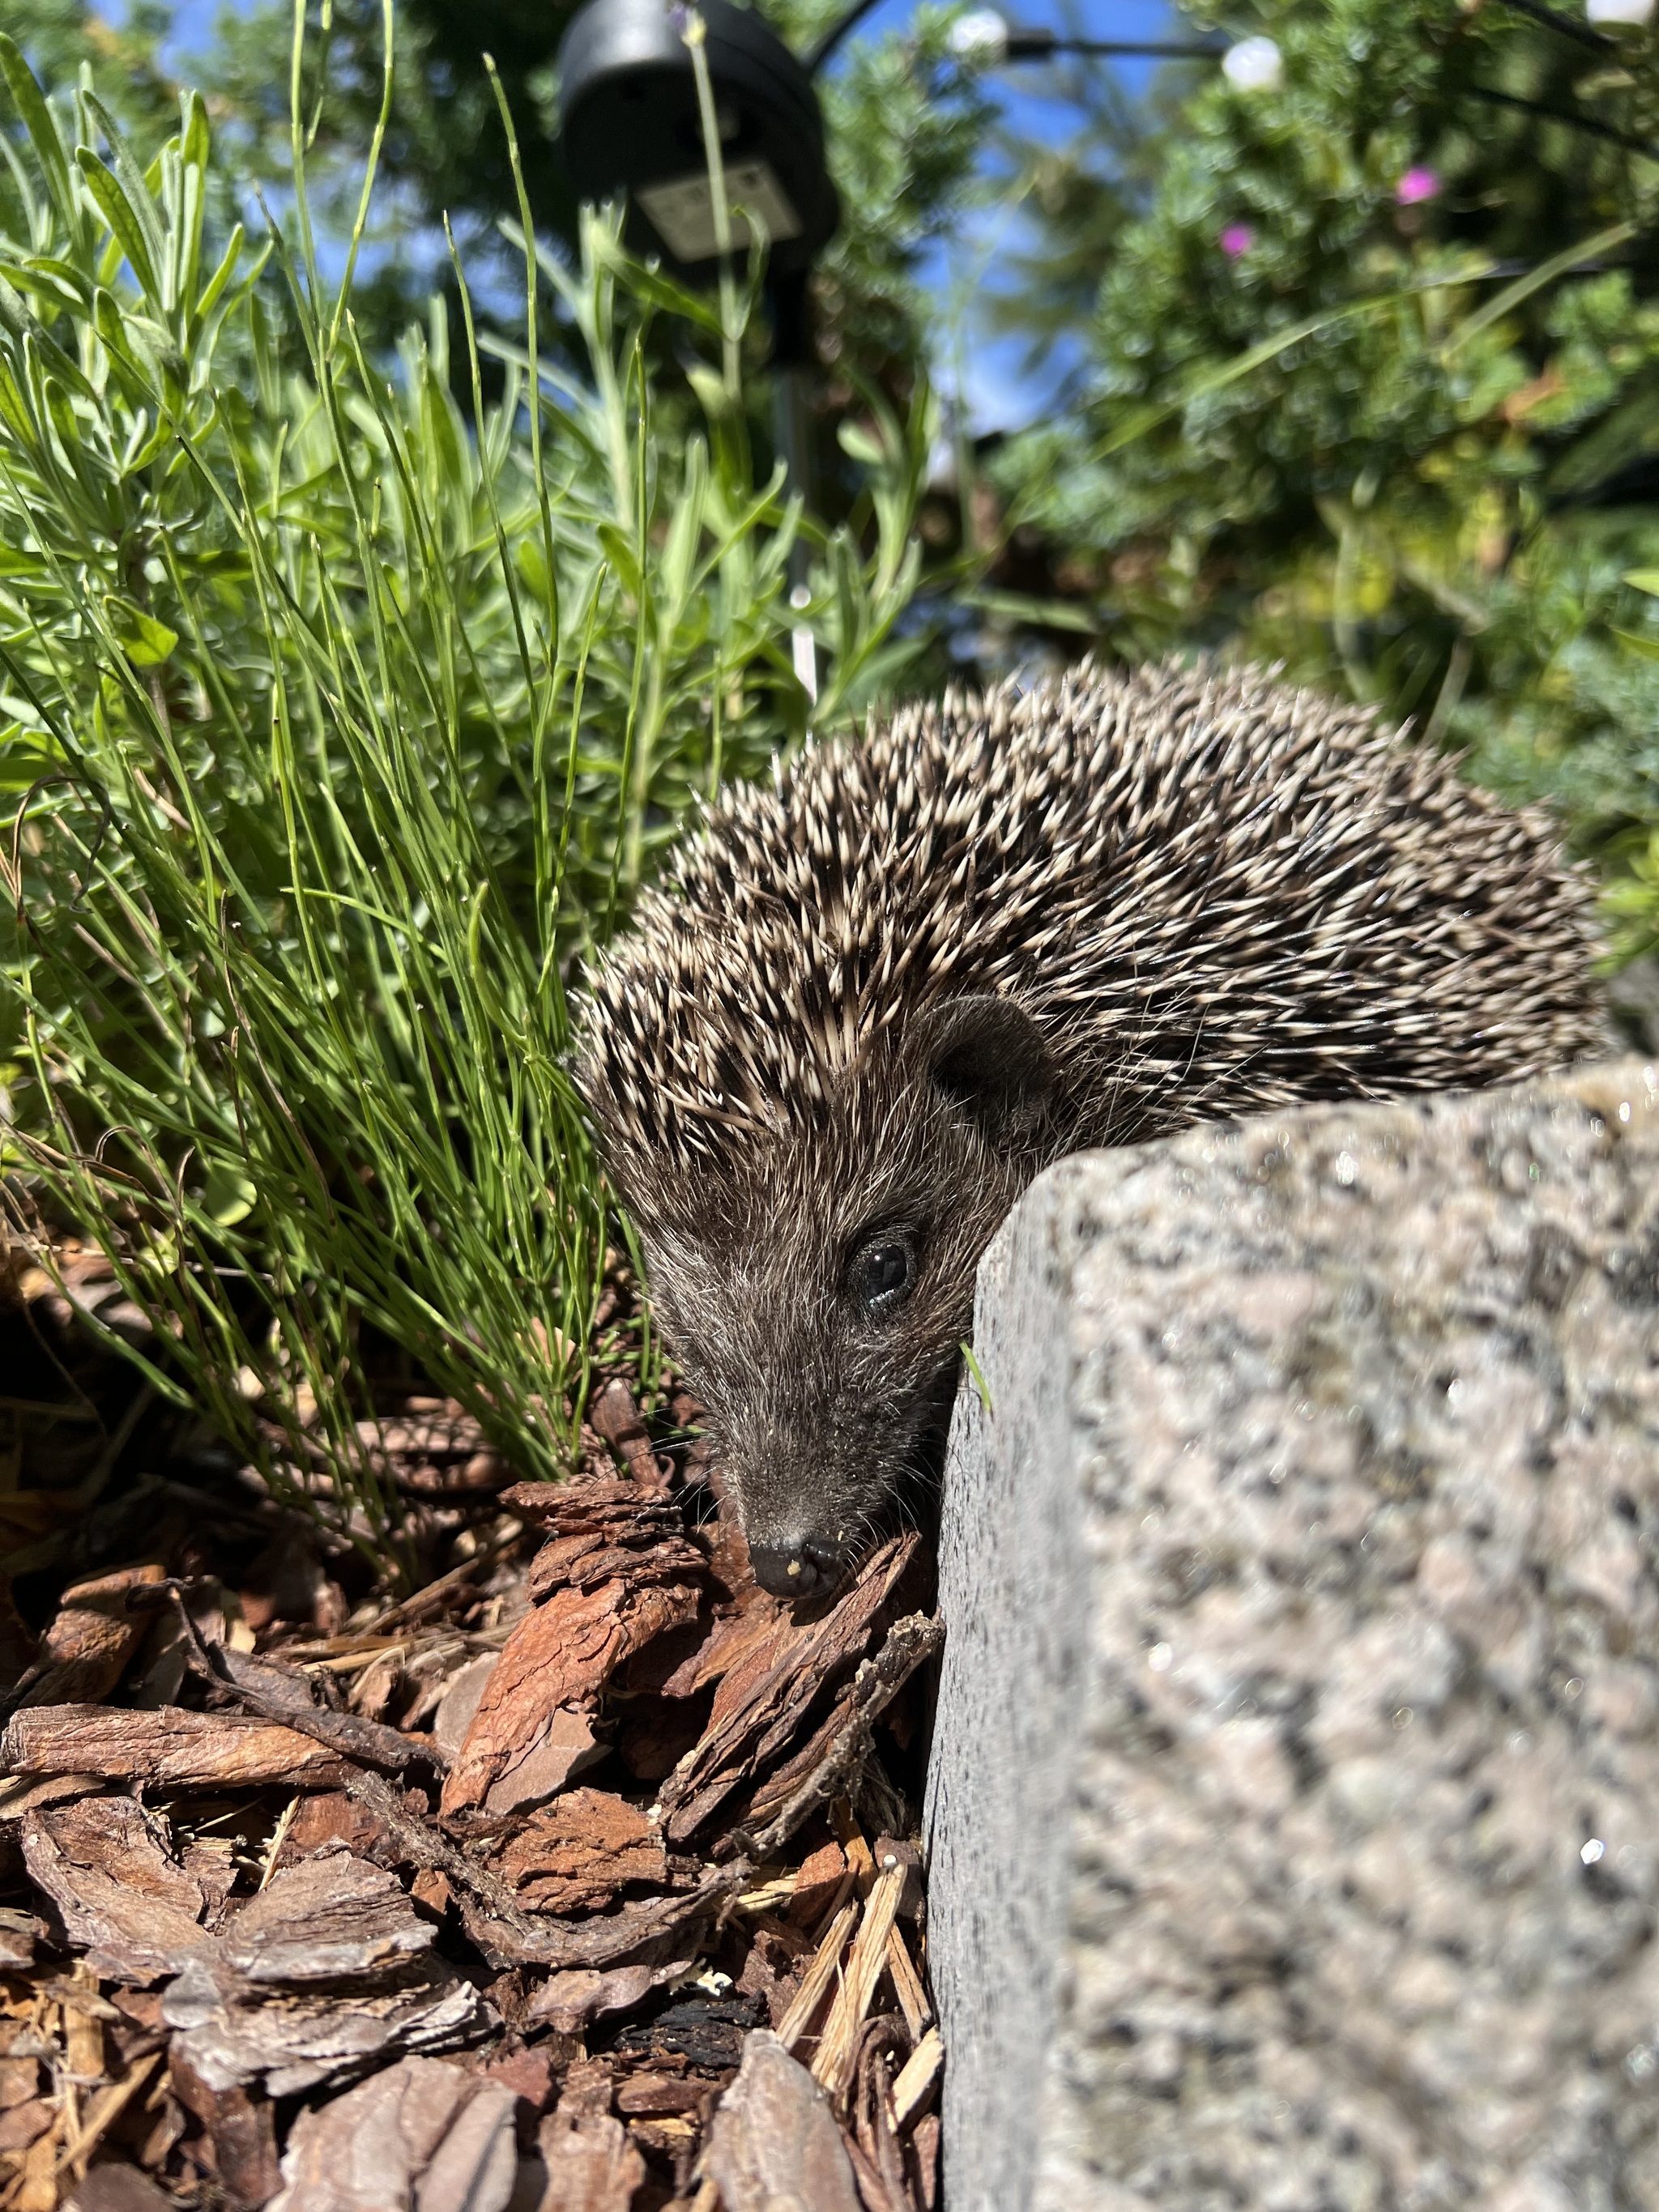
{"type": "Point", "coordinates": [875, 999]}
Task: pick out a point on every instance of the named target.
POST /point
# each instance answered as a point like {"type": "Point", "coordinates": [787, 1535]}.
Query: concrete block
{"type": "Point", "coordinates": [1294, 1809]}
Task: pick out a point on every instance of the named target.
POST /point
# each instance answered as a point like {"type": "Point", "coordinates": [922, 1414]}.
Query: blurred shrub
{"type": "Point", "coordinates": [1373, 387]}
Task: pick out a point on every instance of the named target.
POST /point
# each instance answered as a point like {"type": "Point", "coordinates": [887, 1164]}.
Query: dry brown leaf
{"type": "Point", "coordinates": [168, 1749]}
{"type": "Point", "coordinates": [772, 2140]}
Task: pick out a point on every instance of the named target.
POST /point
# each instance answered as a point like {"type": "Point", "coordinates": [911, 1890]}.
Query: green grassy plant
{"type": "Point", "coordinates": [336, 726]}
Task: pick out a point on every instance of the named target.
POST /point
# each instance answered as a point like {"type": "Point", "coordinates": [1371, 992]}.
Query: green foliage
{"type": "Point", "coordinates": [335, 729]}
{"type": "Point", "coordinates": [1373, 389]}
{"type": "Point", "coordinates": [905, 125]}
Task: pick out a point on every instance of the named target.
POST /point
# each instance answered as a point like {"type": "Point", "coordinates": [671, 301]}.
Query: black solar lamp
{"type": "Point", "coordinates": [630, 125]}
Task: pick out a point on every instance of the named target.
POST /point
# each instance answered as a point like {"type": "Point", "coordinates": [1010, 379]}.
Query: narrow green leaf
{"type": "Point", "coordinates": [129, 233]}
{"type": "Point", "coordinates": [41, 125]}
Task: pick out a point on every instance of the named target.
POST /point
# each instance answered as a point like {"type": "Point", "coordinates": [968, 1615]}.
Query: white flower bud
{"type": "Point", "coordinates": [1257, 65]}
{"type": "Point", "coordinates": [1618, 11]}
{"type": "Point", "coordinates": [979, 40]}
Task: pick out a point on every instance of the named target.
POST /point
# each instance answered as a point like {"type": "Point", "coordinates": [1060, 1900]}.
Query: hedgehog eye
{"type": "Point", "coordinates": [881, 1275]}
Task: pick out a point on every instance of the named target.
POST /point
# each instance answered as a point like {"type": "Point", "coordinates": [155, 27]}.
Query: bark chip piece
{"type": "Point", "coordinates": [773, 2143]}
{"type": "Point", "coordinates": [119, 1887]}
{"type": "Point", "coordinates": [422, 2136]}
{"type": "Point", "coordinates": [84, 1652]}
{"type": "Point", "coordinates": [619, 1574]}
{"type": "Point", "coordinates": [168, 1749]}
{"type": "Point", "coordinates": [766, 1695]}
{"type": "Point", "coordinates": [576, 1853]}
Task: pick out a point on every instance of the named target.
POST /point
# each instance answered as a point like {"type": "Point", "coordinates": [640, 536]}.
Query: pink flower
{"type": "Point", "coordinates": [1237, 237]}
{"type": "Point", "coordinates": [1416, 185]}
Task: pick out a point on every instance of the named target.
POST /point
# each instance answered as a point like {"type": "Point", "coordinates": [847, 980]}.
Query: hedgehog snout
{"type": "Point", "coordinates": [811, 1568]}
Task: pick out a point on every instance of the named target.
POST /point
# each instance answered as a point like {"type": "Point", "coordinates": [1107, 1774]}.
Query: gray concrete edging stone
{"type": "Point", "coordinates": [1293, 1813]}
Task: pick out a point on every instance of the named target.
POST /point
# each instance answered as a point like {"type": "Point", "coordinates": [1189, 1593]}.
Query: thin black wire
{"type": "Point", "coordinates": [1596, 40]}
{"type": "Point", "coordinates": [1023, 46]}
{"type": "Point", "coordinates": [1030, 46]}
{"type": "Point", "coordinates": [1588, 123]}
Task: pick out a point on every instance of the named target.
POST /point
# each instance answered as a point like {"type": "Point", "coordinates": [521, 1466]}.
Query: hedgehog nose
{"type": "Point", "coordinates": [808, 1569]}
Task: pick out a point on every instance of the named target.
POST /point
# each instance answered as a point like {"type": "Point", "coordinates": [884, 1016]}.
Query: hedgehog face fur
{"type": "Point", "coordinates": [877, 1000]}
{"type": "Point", "coordinates": [820, 1348]}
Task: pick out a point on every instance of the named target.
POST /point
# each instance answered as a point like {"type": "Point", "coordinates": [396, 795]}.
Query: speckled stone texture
{"type": "Point", "coordinates": [1295, 1807]}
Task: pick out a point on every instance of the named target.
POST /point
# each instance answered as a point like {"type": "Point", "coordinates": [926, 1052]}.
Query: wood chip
{"type": "Point", "coordinates": [654, 2096]}
{"type": "Point", "coordinates": [917, 2076]}
{"type": "Point", "coordinates": [117, 2189]}
{"type": "Point", "coordinates": [569, 2001]}
{"type": "Point", "coordinates": [762, 1702]}
{"type": "Point", "coordinates": [552, 1667]}
{"type": "Point", "coordinates": [588, 2165]}
{"type": "Point", "coordinates": [772, 2140]}
{"type": "Point", "coordinates": [597, 1528]}
{"type": "Point", "coordinates": [924, 2157]}
{"type": "Point", "coordinates": [907, 1985]}
{"type": "Point", "coordinates": [817, 1885]}
{"type": "Point", "coordinates": [168, 1749]}
{"type": "Point", "coordinates": [323, 1973]}
{"type": "Point", "coordinates": [283, 1694]}
{"type": "Point", "coordinates": [614, 1415]}
{"type": "Point", "coordinates": [120, 1889]}
{"type": "Point", "coordinates": [241, 2130]}
{"type": "Point", "coordinates": [836, 2056]}
{"type": "Point", "coordinates": [818, 1979]}
{"type": "Point", "coordinates": [24, 2124]}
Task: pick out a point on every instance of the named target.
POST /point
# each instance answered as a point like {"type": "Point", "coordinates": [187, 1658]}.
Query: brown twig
{"type": "Point", "coordinates": [369, 1743]}
{"type": "Point", "coordinates": [876, 1683]}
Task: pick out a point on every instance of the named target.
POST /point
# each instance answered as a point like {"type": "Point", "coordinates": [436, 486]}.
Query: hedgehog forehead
{"type": "Point", "coordinates": [800, 1189]}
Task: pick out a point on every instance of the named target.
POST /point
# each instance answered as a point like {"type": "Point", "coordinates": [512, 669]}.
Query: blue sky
{"type": "Point", "coordinates": [999, 390]}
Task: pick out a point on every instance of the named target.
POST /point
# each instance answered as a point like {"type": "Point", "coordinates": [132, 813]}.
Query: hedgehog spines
{"type": "Point", "coordinates": [1266, 878]}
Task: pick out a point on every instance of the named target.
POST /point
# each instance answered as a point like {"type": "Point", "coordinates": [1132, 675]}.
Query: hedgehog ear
{"type": "Point", "coordinates": [988, 1056]}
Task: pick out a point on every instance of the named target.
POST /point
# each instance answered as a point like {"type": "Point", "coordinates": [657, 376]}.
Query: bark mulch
{"type": "Point", "coordinates": [584, 1878]}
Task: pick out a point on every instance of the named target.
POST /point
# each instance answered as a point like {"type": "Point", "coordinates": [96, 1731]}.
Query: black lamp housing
{"type": "Point", "coordinates": [629, 125]}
